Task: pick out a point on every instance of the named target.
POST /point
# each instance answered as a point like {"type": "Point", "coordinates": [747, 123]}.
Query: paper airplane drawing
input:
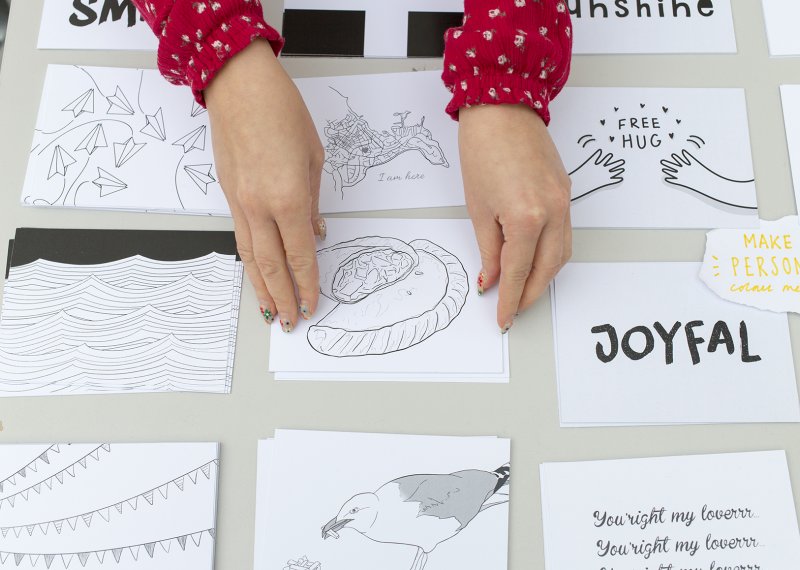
{"type": "Point", "coordinates": [155, 126]}
{"type": "Point", "coordinates": [195, 139]}
{"type": "Point", "coordinates": [59, 163]}
{"type": "Point", "coordinates": [83, 104]}
{"type": "Point", "coordinates": [123, 152]}
{"type": "Point", "coordinates": [200, 175]}
{"type": "Point", "coordinates": [108, 183]}
{"type": "Point", "coordinates": [118, 104]}
{"type": "Point", "coordinates": [94, 140]}
{"type": "Point", "coordinates": [197, 109]}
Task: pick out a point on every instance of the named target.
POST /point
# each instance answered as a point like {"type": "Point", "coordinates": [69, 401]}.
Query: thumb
{"type": "Point", "coordinates": [490, 243]}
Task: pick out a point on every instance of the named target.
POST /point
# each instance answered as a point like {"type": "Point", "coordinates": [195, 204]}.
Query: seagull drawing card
{"type": "Point", "coordinates": [96, 505]}
{"type": "Point", "coordinates": [396, 298]}
{"type": "Point", "coordinates": [395, 502]}
{"type": "Point", "coordinates": [119, 311]}
{"type": "Point", "coordinates": [657, 158]}
{"type": "Point", "coordinates": [121, 139]}
{"type": "Point", "coordinates": [650, 343]}
{"type": "Point", "coordinates": [710, 512]}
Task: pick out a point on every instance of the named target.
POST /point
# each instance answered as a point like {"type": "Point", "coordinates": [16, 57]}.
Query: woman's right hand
{"type": "Point", "coordinates": [269, 160]}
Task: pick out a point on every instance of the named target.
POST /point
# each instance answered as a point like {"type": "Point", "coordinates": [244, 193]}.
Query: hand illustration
{"type": "Point", "coordinates": [686, 171]}
{"type": "Point", "coordinates": [598, 171]}
{"type": "Point", "coordinates": [269, 160]}
{"type": "Point", "coordinates": [517, 194]}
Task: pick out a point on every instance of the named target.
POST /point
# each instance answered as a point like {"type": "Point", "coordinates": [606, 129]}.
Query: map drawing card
{"type": "Point", "coordinates": [656, 158]}
{"type": "Point", "coordinates": [649, 343]}
{"type": "Point", "coordinates": [121, 139]}
{"type": "Point", "coordinates": [388, 142]}
{"type": "Point", "coordinates": [396, 298]}
{"type": "Point", "coordinates": [94, 25]}
{"type": "Point", "coordinates": [119, 311]}
{"type": "Point", "coordinates": [395, 502]}
{"type": "Point", "coordinates": [131, 506]}
{"type": "Point", "coordinates": [711, 512]}
{"type": "Point", "coordinates": [779, 15]}
{"type": "Point", "coordinates": [790, 98]}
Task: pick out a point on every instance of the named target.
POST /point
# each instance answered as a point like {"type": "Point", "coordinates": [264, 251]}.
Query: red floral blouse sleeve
{"type": "Point", "coordinates": [197, 37]}
{"type": "Point", "coordinates": [508, 51]}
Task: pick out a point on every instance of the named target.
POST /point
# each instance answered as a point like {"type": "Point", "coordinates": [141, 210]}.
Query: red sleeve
{"type": "Point", "coordinates": [508, 51]}
{"type": "Point", "coordinates": [197, 37]}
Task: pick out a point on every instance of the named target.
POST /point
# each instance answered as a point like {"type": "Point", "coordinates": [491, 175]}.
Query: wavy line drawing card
{"type": "Point", "coordinates": [119, 311]}
{"type": "Point", "coordinates": [649, 343]}
{"type": "Point", "coordinates": [94, 25]}
{"type": "Point", "coordinates": [779, 17]}
{"type": "Point", "coordinates": [656, 158]}
{"type": "Point", "coordinates": [149, 506]}
{"type": "Point", "coordinates": [790, 98]}
{"type": "Point", "coordinates": [715, 512]}
{"type": "Point", "coordinates": [396, 299]}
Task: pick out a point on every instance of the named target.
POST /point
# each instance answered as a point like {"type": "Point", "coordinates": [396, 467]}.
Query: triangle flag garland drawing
{"type": "Point", "coordinates": [83, 104]}
{"type": "Point", "coordinates": [195, 139]}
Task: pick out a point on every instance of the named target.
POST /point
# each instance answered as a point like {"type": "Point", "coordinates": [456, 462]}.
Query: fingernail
{"type": "Point", "coordinates": [267, 314]}
{"type": "Point", "coordinates": [304, 310]}
{"type": "Point", "coordinates": [323, 229]}
{"type": "Point", "coordinates": [286, 326]}
{"type": "Point", "coordinates": [507, 327]}
{"type": "Point", "coordinates": [481, 282]}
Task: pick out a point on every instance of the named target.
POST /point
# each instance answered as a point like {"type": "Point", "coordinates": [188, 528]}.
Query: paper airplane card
{"type": "Point", "coordinates": [710, 512]}
{"type": "Point", "coordinates": [94, 25]}
{"type": "Point", "coordinates": [779, 15]}
{"type": "Point", "coordinates": [656, 158]}
{"type": "Point", "coordinates": [121, 139]}
{"type": "Point", "coordinates": [649, 343]}
{"type": "Point", "coordinates": [393, 502]}
{"type": "Point", "coordinates": [119, 311]}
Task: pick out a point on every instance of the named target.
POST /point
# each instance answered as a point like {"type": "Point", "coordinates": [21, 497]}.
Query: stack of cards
{"type": "Point", "coordinates": [347, 501]}
{"type": "Point", "coordinates": [397, 303]}
{"type": "Point", "coordinates": [716, 512]}
{"type": "Point", "coordinates": [649, 343]}
{"type": "Point", "coordinates": [117, 311]}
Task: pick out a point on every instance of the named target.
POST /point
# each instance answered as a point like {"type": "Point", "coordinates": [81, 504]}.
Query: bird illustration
{"type": "Point", "coordinates": [421, 510]}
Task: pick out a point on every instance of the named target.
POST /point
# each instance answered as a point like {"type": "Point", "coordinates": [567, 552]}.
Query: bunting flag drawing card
{"type": "Point", "coordinates": [649, 343]}
{"type": "Point", "coordinates": [94, 25]}
{"type": "Point", "coordinates": [119, 311]}
{"type": "Point", "coordinates": [790, 98]}
{"type": "Point", "coordinates": [121, 139]}
{"type": "Point", "coordinates": [779, 16]}
{"type": "Point", "coordinates": [395, 502]}
{"type": "Point", "coordinates": [98, 505]}
{"type": "Point", "coordinates": [657, 158]}
{"type": "Point", "coordinates": [710, 512]}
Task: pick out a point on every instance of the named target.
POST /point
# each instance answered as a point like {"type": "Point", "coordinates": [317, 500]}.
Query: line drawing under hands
{"type": "Point", "coordinates": [687, 171]}
{"type": "Point", "coordinates": [391, 295]}
{"type": "Point", "coordinates": [421, 511]}
{"type": "Point", "coordinates": [600, 170]}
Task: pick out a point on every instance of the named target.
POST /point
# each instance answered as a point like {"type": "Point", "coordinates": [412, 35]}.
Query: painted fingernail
{"type": "Point", "coordinates": [507, 327]}
{"type": "Point", "coordinates": [286, 326]}
{"type": "Point", "coordinates": [305, 311]}
{"type": "Point", "coordinates": [481, 282]}
{"type": "Point", "coordinates": [267, 314]}
{"type": "Point", "coordinates": [323, 228]}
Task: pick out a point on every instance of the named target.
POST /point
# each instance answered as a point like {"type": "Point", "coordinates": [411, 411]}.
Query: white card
{"type": "Point", "coordinates": [656, 158]}
{"type": "Point", "coordinates": [734, 367]}
{"type": "Point", "coordinates": [790, 98]}
{"type": "Point", "coordinates": [378, 475]}
{"type": "Point", "coordinates": [780, 17]}
{"type": "Point", "coordinates": [388, 142]}
{"type": "Point", "coordinates": [652, 26]}
{"type": "Point", "coordinates": [131, 506]}
{"type": "Point", "coordinates": [93, 24]}
{"type": "Point", "coordinates": [397, 297]}
{"type": "Point", "coordinates": [712, 512]}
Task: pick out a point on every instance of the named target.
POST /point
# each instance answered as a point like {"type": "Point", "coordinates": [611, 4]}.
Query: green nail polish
{"type": "Point", "coordinates": [267, 314]}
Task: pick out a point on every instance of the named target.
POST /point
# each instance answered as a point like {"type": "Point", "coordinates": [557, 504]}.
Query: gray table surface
{"type": "Point", "coordinates": [525, 410]}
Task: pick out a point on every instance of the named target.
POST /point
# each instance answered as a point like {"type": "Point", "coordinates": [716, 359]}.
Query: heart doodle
{"type": "Point", "coordinates": [611, 139]}
{"type": "Point", "coordinates": [602, 121]}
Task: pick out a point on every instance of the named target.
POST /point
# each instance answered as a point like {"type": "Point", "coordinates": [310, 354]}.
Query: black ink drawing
{"type": "Point", "coordinates": [131, 146]}
{"type": "Point", "coordinates": [353, 147]}
{"type": "Point", "coordinates": [600, 170]}
{"type": "Point", "coordinates": [391, 295]}
{"type": "Point", "coordinates": [302, 563]}
{"type": "Point", "coordinates": [421, 511]}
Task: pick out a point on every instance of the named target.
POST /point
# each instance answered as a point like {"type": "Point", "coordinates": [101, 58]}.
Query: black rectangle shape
{"type": "Point", "coordinates": [426, 32]}
{"type": "Point", "coordinates": [324, 32]}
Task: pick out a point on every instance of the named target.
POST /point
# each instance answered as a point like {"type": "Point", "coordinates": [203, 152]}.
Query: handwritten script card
{"type": "Point", "coordinates": [709, 512]}
{"type": "Point", "coordinates": [648, 343]}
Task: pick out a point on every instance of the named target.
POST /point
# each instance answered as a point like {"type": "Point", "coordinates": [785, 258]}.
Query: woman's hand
{"type": "Point", "coordinates": [269, 160]}
{"type": "Point", "coordinates": [518, 196]}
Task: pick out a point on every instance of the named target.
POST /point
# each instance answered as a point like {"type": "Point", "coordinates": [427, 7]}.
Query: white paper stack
{"type": "Point", "coordinates": [350, 501]}
{"type": "Point", "coordinates": [708, 511]}
{"type": "Point", "coordinates": [398, 302]}
{"type": "Point", "coordinates": [649, 343]}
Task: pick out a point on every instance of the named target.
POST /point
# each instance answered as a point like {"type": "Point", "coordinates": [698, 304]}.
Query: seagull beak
{"type": "Point", "coordinates": [333, 526]}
